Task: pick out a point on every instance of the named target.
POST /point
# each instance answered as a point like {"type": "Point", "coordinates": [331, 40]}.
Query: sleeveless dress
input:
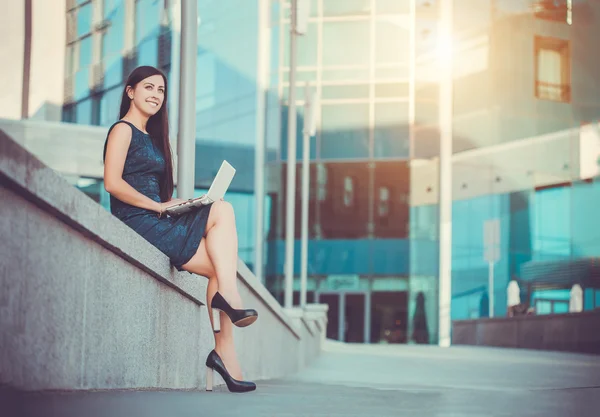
{"type": "Point", "coordinates": [177, 237]}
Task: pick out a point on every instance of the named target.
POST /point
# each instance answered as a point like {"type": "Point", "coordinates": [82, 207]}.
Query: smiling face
{"type": "Point", "coordinates": [148, 95]}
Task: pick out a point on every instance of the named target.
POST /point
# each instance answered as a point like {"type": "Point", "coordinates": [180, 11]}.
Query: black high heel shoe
{"type": "Point", "coordinates": [240, 318]}
{"type": "Point", "coordinates": [214, 363]}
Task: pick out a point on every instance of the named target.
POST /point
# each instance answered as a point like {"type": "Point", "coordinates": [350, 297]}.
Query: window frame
{"type": "Point", "coordinates": [563, 47]}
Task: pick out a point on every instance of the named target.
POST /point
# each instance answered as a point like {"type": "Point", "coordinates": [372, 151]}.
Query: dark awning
{"type": "Point", "coordinates": [562, 273]}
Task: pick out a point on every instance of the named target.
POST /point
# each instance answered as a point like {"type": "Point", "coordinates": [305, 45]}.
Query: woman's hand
{"type": "Point", "coordinates": [161, 207]}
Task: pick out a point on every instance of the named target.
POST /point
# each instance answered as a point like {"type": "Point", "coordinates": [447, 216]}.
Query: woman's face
{"type": "Point", "coordinates": [149, 94]}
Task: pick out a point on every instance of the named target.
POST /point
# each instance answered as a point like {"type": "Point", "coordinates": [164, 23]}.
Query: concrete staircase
{"type": "Point", "coordinates": [86, 303]}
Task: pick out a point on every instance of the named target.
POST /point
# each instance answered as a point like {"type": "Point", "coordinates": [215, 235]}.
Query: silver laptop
{"type": "Point", "coordinates": [217, 191]}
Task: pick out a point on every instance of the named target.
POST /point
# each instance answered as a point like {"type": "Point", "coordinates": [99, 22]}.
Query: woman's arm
{"type": "Point", "coordinates": [116, 153]}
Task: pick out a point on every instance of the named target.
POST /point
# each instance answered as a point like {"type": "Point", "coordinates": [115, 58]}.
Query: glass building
{"type": "Point", "coordinates": [526, 109]}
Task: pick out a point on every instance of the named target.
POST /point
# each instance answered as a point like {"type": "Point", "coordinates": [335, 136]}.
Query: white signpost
{"type": "Point", "coordinates": [491, 253]}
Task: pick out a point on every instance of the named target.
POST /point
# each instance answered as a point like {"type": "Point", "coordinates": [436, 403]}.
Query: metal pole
{"type": "Point", "coordinates": [445, 173]}
{"type": "Point", "coordinates": [491, 288]}
{"type": "Point", "coordinates": [367, 335]}
{"type": "Point", "coordinates": [291, 168]}
{"type": "Point", "coordinates": [174, 86]}
{"type": "Point", "coordinates": [259, 156]}
{"type": "Point", "coordinates": [342, 317]}
{"type": "Point", "coordinates": [412, 79]}
{"type": "Point", "coordinates": [305, 190]}
{"type": "Point", "coordinates": [186, 143]}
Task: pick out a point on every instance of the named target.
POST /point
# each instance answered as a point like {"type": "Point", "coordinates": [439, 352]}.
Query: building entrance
{"type": "Point", "coordinates": [366, 317]}
{"type": "Point", "coordinates": [348, 316]}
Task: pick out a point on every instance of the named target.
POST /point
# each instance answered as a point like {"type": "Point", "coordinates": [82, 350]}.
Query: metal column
{"type": "Point", "coordinates": [291, 167]}
{"type": "Point", "coordinates": [186, 143]}
{"type": "Point", "coordinates": [341, 316]}
{"type": "Point", "coordinates": [445, 171]}
{"type": "Point", "coordinates": [262, 87]}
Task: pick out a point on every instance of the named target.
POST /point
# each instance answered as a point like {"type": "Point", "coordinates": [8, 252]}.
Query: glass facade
{"type": "Point", "coordinates": [525, 112]}
{"type": "Point", "coordinates": [355, 56]}
{"type": "Point", "coordinates": [520, 112]}
{"type": "Point", "coordinates": [519, 89]}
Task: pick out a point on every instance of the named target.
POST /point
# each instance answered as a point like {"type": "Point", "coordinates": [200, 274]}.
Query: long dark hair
{"type": "Point", "coordinates": [157, 127]}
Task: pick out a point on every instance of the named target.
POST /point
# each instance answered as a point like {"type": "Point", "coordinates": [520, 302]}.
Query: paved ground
{"type": "Point", "coordinates": [374, 381]}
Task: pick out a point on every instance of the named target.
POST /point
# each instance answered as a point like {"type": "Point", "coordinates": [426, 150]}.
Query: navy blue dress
{"type": "Point", "coordinates": [177, 237]}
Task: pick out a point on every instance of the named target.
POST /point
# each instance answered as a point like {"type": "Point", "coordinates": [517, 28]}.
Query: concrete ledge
{"type": "Point", "coordinates": [86, 303]}
{"type": "Point", "coordinates": [573, 332]}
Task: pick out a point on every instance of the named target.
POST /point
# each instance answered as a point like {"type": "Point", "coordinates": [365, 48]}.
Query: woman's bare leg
{"type": "Point", "coordinates": [222, 248]}
{"type": "Point", "coordinates": [224, 344]}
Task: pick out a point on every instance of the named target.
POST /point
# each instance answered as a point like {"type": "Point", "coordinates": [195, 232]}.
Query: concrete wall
{"type": "Point", "coordinates": [86, 303]}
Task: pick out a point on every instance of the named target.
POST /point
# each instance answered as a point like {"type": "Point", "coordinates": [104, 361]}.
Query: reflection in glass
{"type": "Point", "coordinates": [110, 7]}
{"type": "Point", "coordinates": [345, 91]}
{"type": "Point", "coordinates": [84, 112]}
{"type": "Point", "coordinates": [354, 74]}
{"type": "Point", "coordinates": [390, 33]}
{"type": "Point", "coordinates": [392, 6]}
{"type": "Point", "coordinates": [343, 210]}
{"type": "Point", "coordinates": [391, 130]}
{"type": "Point", "coordinates": [84, 19]}
{"type": "Point", "coordinates": [389, 317]}
{"type": "Point", "coordinates": [399, 90]}
{"type": "Point", "coordinates": [299, 135]}
{"type": "Point", "coordinates": [306, 54]}
{"type": "Point", "coordinates": [344, 131]}
{"type": "Point", "coordinates": [346, 7]}
{"type": "Point", "coordinates": [355, 33]}
{"type": "Point", "coordinates": [109, 106]}
{"type": "Point", "coordinates": [85, 52]}
{"type": "Point", "coordinates": [391, 199]}
{"type": "Point", "coordinates": [147, 19]}
{"type": "Point", "coordinates": [148, 52]}
{"type": "Point", "coordinates": [113, 39]}
{"type": "Point", "coordinates": [82, 83]}
{"type": "Point", "coordinates": [113, 71]}
{"type": "Point", "coordinates": [206, 80]}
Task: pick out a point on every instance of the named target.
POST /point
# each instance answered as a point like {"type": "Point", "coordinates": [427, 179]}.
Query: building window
{"type": "Point", "coordinates": [555, 10]}
{"type": "Point", "coordinates": [552, 69]}
{"type": "Point", "coordinates": [113, 42]}
{"type": "Point", "coordinates": [348, 192]}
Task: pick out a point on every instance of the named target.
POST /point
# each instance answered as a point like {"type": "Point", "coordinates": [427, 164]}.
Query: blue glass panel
{"type": "Point", "coordinates": [299, 135]}
{"type": "Point", "coordinates": [85, 52]}
{"type": "Point", "coordinates": [347, 257]}
{"type": "Point", "coordinates": [148, 52]}
{"type": "Point", "coordinates": [113, 71]}
{"type": "Point", "coordinates": [344, 131]}
{"type": "Point", "coordinates": [552, 222]}
{"type": "Point", "coordinates": [109, 106]}
{"type": "Point", "coordinates": [391, 130]}
{"type": "Point", "coordinates": [307, 46]}
{"type": "Point", "coordinates": [113, 39]}
{"type": "Point", "coordinates": [110, 7]}
{"type": "Point", "coordinates": [84, 112]}
{"type": "Point", "coordinates": [355, 33]}
{"type": "Point", "coordinates": [147, 19]}
{"type": "Point", "coordinates": [82, 86]}
{"type": "Point", "coordinates": [84, 19]}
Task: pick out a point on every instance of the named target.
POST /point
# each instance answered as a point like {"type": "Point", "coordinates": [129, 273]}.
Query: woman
{"type": "Point", "coordinates": [138, 175]}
